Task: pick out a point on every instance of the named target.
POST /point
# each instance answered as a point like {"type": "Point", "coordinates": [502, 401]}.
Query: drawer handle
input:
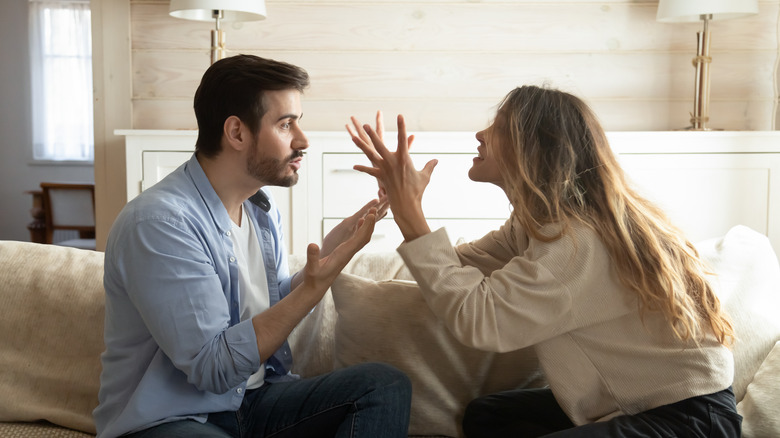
{"type": "Point", "coordinates": [343, 170]}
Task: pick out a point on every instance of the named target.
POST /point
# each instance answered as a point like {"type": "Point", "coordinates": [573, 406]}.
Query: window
{"type": "Point", "coordinates": [61, 61]}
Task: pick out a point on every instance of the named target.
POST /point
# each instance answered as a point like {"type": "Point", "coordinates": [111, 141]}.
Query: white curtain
{"type": "Point", "coordinates": [61, 58]}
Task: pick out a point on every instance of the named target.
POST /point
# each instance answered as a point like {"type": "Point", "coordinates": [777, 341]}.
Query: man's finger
{"type": "Point", "coordinates": [368, 149]}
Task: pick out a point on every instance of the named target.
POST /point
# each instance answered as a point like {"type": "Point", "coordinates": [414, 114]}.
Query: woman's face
{"type": "Point", "coordinates": [485, 167]}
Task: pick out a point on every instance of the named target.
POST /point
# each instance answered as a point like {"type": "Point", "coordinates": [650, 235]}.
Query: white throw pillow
{"type": "Point", "coordinates": [390, 322]}
{"type": "Point", "coordinates": [747, 281]}
{"type": "Point", "coordinates": [760, 405]}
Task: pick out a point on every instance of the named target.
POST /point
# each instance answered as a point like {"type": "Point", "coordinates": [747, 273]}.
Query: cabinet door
{"type": "Point", "coordinates": [707, 194]}
{"type": "Point", "coordinates": [450, 194]}
{"type": "Point", "coordinates": [158, 164]}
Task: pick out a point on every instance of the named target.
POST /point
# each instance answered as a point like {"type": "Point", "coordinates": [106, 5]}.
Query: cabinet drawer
{"type": "Point", "coordinates": [387, 237]}
{"type": "Point", "coordinates": [450, 194]}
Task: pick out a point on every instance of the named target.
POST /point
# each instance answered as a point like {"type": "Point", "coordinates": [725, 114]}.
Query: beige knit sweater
{"type": "Point", "coordinates": [507, 291]}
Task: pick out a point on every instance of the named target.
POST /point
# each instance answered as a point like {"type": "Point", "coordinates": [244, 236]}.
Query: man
{"type": "Point", "coordinates": [199, 301]}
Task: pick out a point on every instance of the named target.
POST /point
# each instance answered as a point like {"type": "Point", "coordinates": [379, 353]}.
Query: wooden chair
{"type": "Point", "coordinates": [70, 206]}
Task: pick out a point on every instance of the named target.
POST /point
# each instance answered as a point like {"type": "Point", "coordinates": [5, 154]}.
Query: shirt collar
{"type": "Point", "coordinates": [202, 184]}
{"type": "Point", "coordinates": [210, 197]}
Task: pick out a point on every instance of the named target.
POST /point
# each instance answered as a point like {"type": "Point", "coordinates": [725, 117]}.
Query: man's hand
{"type": "Point", "coordinates": [348, 226]}
{"type": "Point", "coordinates": [275, 324]}
{"type": "Point", "coordinates": [320, 271]}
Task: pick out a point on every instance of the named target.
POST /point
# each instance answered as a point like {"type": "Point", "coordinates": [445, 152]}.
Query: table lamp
{"type": "Point", "coordinates": [689, 11]}
{"type": "Point", "coordinates": [218, 10]}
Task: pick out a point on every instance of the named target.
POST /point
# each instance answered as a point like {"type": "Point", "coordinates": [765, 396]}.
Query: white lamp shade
{"type": "Point", "coordinates": [233, 10]}
{"type": "Point", "coordinates": [681, 11]}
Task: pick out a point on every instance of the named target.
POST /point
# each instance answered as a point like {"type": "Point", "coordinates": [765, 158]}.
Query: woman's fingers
{"type": "Point", "coordinates": [429, 166]}
{"type": "Point", "coordinates": [380, 125]}
{"type": "Point", "coordinates": [373, 171]}
{"type": "Point", "coordinates": [403, 140]}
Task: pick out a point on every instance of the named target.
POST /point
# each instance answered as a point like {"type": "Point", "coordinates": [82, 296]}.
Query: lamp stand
{"type": "Point", "coordinates": [701, 103]}
{"type": "Point", "coordinates": [217, 38]}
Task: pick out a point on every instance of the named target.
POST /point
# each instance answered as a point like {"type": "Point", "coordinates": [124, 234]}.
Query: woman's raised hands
{"type": "Point", "coordinates": [395, 171]}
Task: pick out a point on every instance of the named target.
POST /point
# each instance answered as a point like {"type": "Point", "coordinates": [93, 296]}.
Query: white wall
{"type": "Point", "coordinates": [17, 173]}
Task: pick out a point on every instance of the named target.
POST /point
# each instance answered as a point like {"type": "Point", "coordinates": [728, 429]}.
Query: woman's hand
{"type": "Point", "coordinates": [403, 184]}
{"type": "Point", "coordinates": [356, 130]}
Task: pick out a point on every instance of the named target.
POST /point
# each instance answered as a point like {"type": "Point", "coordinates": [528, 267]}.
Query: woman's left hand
{"type": "Point", "coordinates": [403, 184]}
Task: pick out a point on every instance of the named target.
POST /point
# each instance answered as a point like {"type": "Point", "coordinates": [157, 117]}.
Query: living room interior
{"type": "Point", "coordinates": [445, 65]}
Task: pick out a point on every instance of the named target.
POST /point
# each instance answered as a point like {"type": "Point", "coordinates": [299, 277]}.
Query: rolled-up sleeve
{"type": "Point", "coordinates": [171, 275]}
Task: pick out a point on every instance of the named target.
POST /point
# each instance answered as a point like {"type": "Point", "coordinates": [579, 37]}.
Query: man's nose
{"type": "Point", "coordinates": [300, 141]}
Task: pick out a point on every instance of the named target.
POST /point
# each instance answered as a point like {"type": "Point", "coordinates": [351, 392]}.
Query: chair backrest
{"type": "Point", "coordinates": [69, 206]}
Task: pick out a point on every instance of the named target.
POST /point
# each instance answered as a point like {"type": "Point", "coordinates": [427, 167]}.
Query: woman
{"type": "Point", "coordinates": [629, 333]}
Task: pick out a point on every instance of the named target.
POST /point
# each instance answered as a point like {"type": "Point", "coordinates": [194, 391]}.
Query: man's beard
{"type": "Point", "coordinates": [272, 171]}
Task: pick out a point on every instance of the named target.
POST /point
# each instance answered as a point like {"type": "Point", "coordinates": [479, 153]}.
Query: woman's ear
{"type": "Point", "coordinates": [235, 133]}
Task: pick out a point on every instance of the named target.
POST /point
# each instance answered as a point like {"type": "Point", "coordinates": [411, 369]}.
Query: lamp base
{"type": "Point", "coordinates": [701, 102]}
{"type": "Point", "coordinates": [217, 45]}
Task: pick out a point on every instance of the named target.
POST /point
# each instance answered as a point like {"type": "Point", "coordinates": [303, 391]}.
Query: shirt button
{"type": "Point", "coordinates": [239, 390]}
{"type": "Point", "coordinates": [232, 259]}
{"type": "Point", "coordinates": [227, 233]}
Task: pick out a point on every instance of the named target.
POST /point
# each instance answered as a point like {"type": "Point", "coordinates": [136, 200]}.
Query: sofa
{"type": "Point", "coordinates": [51, 326]}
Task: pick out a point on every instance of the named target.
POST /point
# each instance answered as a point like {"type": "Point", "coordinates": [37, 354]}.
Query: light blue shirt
{"type": "Point", "coordinates": [175, 346]}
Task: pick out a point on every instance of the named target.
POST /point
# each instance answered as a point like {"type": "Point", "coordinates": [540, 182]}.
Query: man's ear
{"type": "Point", "coordinates": [234, 132]}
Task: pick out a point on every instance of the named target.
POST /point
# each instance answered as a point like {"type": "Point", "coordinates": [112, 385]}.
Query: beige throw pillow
{"type": "Point", "coordinates": [52, 303]}
{"type": "Point", "coordinates": [390, 322]}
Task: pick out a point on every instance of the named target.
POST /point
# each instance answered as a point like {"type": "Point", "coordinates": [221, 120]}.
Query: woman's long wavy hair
{"type": "Point", "coordinates": [562, 171]}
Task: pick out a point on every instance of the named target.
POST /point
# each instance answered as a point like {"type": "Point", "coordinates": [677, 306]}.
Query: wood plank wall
{"type": "Point", "coordinates": [445, 64]}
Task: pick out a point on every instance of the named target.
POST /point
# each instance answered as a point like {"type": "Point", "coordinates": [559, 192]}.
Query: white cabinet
{"type": "Point", "coordinates": [707, 182]}
{"type": "Point", "coordinates": [467, 209]}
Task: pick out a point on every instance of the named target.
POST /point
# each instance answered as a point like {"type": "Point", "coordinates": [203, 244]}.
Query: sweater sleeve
{"type": "Point", "coordinates": [542, 291]}
{"type": "Point", "coordinates": [492, 251]}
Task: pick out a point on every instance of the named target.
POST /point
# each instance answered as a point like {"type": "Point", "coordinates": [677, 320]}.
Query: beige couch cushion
{"type": "Point", "coordinates": [389, 321]}
{"type": "Point", "coordinates": [52, 305]}
{"type": "Point", "coordinates": [312, 341]}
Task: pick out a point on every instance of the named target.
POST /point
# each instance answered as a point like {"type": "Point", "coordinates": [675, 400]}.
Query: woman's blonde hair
{"type": "Point", "coordinates": [558, 168]}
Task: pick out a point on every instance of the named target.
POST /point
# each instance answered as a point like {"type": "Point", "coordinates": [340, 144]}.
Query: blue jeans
{"type": "Point", "coordinates": [535, 413]}
{"type": "Point", "coordinates": [369, 400]}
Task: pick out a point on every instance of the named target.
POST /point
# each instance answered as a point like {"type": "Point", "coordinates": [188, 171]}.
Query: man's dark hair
{"type": "Point", "coordinates": [234, 87]}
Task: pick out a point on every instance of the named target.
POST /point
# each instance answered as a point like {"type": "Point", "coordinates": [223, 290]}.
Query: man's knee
{"type": "Point", "coordinates": [382, 375]}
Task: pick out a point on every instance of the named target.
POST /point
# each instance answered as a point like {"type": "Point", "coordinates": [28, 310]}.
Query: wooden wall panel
{"type": "Point", "coordinates": [473, 115]}
{"type": "Point", "coordinates": [446, 64]}
{"type": "Point", "coordinates": [475, 75]}
{"type": "Point", "coordinates": [454, 27]}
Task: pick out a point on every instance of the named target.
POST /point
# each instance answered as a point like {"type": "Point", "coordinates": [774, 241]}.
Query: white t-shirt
{"type": "Point", "coordinates": [252, 282]}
